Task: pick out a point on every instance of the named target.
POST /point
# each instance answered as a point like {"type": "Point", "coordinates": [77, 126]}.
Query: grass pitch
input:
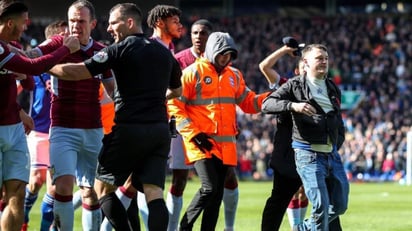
{"type": "Point", "coordinates": [372, 206]}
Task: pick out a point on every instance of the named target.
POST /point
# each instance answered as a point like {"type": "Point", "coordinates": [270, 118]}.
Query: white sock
{"type": "Point", "coordinates": [293, 216]}
{"type": "Point", "coordinates": [64, 213]}
{"type": "Point", "coordinates": [230, 201]}
{"type": "Point", "coordinates": [105, 225]}
{"type": "Point", "coordinates": [91, 218]}
{"type": "Point", "coordinates": [77, 199]}
{"type": "Point", "coordinates": [303, 213]}
{"type": "Point", "coordinates": [126, 200]}
{"type": "Point", "coordinates": [174, 205]}
{"type": "Point", "coordinates": [144, 211]}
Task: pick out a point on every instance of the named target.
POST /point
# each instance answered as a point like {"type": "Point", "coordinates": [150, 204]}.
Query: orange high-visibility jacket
{"type": "Point", "coordinates": [107, 110]}
{"type": "Point", "coordinates": [208, 104]}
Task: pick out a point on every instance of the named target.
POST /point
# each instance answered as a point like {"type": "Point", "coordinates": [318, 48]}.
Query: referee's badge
{"type": "Point", "coordinates": [100, 57]}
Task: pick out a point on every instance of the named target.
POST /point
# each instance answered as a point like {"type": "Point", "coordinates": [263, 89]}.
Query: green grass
{"type": "Point", "coordinates": [372, 206]}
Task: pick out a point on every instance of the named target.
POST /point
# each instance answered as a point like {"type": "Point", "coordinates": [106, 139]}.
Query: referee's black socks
{"type": "Point", "coordinates": [158, 215]}
{"type": "Point", "coordinates": [133, 214]}
{"type": "Point", "coordinates": [113, 209]}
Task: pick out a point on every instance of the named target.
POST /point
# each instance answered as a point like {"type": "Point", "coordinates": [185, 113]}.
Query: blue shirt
{"type": "Point", "coordinates": [40, 103]}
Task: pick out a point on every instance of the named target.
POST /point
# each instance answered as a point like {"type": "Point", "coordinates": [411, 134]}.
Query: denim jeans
{"type": "Point", "coordinates": [326, 187]}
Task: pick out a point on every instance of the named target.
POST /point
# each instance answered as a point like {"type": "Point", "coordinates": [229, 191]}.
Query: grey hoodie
{"type": "Point", "coordinates": [219, 43]}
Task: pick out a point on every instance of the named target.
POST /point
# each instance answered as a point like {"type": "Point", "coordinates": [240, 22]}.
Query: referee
{"type": "Point", "coordinates": [146, 75]}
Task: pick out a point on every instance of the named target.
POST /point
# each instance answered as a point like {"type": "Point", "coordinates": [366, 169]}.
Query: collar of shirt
{"type": "Point", "coordinates": [192, 49]}
{"type": "Point", "coordinates": [169, 46]}
{"type": "Point", "coordinates": [87, 46]}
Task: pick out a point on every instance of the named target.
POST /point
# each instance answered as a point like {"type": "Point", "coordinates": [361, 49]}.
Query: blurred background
{"type": "Point", "coordinates": [370, 49]}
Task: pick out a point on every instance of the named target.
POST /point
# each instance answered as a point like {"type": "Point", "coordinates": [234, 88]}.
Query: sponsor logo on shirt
{"type": "Point", "coordinates": [5, 72]}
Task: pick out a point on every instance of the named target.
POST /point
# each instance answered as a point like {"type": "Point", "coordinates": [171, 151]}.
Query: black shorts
{"type": "Point", "coordinates": [138, 149]}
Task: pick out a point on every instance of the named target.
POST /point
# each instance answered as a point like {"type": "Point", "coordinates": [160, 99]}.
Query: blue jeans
{"type": "Point", "coordinates": [326, 186]}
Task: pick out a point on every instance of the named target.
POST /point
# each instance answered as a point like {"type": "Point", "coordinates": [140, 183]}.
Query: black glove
{"type": "Point", "coordinates": [202, 142]}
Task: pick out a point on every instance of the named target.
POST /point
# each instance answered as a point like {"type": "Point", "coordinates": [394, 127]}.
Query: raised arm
{"type": "Point", "coordinates": [266, 66]}
{"type": "Point", "coordinates": [21, 64]}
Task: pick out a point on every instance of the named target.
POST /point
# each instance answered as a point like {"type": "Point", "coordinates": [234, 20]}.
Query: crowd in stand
{"type": "Point", "coordinates": [372, 54]}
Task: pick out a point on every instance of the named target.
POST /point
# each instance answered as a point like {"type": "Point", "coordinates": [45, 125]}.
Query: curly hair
{"type": "Point", "coordinates": [160, 12]}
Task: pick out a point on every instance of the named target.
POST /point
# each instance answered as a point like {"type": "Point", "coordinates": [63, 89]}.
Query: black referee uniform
{"type": "Point", "coordinates": [140, 141]}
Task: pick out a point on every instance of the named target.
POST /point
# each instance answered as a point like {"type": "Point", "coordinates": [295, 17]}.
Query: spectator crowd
{"type": "Point", "coordinates": [370, 54]}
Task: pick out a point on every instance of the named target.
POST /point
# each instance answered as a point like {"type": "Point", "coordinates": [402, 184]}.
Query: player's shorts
{"type": "Point", "coordinates": [38, 143]}
{"type": "Point", "coordinates": [137, 149]}
{"type": "Point", "coordinates": [177, 154]}
{"type": "Point", "coordinates": [74, 151]}
{"type": "Point", "coordinates": [14, 153]}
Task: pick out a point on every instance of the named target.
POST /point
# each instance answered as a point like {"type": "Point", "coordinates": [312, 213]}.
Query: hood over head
{"type": "Point", "coordinates": [220, 43]}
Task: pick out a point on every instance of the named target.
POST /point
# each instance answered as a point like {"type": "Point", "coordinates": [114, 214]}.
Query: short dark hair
{"type": "Point", "coordinates": [84, 3]}
{"type": "Point", "coordinates": [9, 9]}
{"type": "Point", "coordinates": [129, 10]}
{"type": "Point", "coordinates": [310, 47]}
{"type": "Point", "coordinates": [204, 22]}
{"type": "Point", "coordinates": [161, 12]}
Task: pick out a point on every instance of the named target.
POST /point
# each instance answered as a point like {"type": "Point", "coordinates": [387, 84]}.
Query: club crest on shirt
{"type": "Point", "coordinates": [232, 81]}
{"type": "Point", "coordinates": [207, 80]}
{"type": "Point", "coordinates": [100, 57]}
{"type": "Point", "coordinates": [1, 49]}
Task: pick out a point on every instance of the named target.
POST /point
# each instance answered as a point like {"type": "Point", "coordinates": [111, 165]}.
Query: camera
{"type": "Point", "coordinates": [293, 43]}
